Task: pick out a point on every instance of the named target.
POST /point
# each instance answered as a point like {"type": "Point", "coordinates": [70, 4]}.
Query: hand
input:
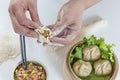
{"type": "Point", "coordinates": [70, 19]}
{"type": "Point", "coordinates": [21, 23]}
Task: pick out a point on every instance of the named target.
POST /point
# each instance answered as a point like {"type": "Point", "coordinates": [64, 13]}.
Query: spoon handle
{"type": "Point", "coordinates": [23, 51]}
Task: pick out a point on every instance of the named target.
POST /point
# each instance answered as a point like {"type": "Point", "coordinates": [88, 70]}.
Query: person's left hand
{"type": "Point", "coordinates": [70, 19]}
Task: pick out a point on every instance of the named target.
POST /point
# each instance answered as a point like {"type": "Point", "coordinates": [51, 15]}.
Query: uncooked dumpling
{"type": "Point", "coordinates": [91, 53]}
{"type": "Point", "coordinates": [82, 68]}
{"type": "Point", "coordinates": [102, 67]}
{"type": "Point", "coordinates": [44, 34]}
{"type": "Point", "coordinates": [9, 46]}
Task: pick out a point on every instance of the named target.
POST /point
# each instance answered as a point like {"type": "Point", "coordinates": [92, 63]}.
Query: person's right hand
{"type": "Point", "coordinates": [21, 24]}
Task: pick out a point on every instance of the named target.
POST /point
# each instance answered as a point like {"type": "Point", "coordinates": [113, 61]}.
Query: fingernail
{"type": "Point", "coordinates": [45, 44]}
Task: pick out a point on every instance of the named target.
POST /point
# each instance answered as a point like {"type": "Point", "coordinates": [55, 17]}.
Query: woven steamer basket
{"type": "Point", "coordinates": [73, 76]}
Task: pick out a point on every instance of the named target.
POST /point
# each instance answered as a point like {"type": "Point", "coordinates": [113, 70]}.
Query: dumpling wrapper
{"type": "Point", "coordinates": [9, 46]}
{"type": "Point", "coordinates": [102, 67]}
{"type": "Point", "coordinates": [91, 53]}
{"type": "Point", "coordinates": [44, 34]}
{"type": "Point", "coordinates": [82, 68]}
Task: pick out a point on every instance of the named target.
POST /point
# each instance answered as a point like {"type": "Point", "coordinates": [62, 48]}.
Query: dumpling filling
{"type": "Point", "coordinates": [33, 72]}
{"type": "Point", "coordinates": [44, 34]}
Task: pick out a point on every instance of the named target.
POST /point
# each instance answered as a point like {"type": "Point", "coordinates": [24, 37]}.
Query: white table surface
{"type": "Point", "coordinates": [108, 9]}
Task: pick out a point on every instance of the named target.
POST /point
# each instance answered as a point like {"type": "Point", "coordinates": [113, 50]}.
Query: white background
{"type": "Point", "coordinates": [108, 9]}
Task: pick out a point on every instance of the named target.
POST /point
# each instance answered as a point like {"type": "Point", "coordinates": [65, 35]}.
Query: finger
{"type": "Point", "coordinates": [65, 21]}
{"type": "Point", "coordinates": [62, 22]}
{"type": "Point", "coordinates": [59, 25]}
{"type": "Point", "coordinates": [27, 32]}
{"type": "Point", "coordinates": [63, 41]}
{"type": "Point", "coordinates": [53, 44]}
{"type": "Point", "coordinates": [51, 27]}
{"type": "Point", "coordinates": [66, 37]}
{"type": "Point", "coordinates": [22, 20]}
{"type": "Point", "coordinates": [60, 14]}
{"type": "Point", "coordinates": [34, 12]}
{"type": "Point", "coordinates": [22, 29]}
{"type": "Point", "coordinates": [59, 40]}
{"type": "Point", "coordinates": [59, 30]}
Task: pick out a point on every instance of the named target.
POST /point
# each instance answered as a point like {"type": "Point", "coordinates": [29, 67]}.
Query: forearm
{"type": "Point", "coordinates": [88, 3]}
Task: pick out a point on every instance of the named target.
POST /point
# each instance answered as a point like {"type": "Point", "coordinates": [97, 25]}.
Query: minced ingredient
{"type": "Point", "coordinates": [32, 72]}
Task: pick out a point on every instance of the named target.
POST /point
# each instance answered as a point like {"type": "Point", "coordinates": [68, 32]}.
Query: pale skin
{"type": "Point", "coordinates": [21, 24]}
{"type": "Point", "coordinates": [70, 15]}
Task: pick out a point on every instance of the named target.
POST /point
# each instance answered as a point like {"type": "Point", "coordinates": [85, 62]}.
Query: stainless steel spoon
{"type": "Point", "coordinates": [23, 51]}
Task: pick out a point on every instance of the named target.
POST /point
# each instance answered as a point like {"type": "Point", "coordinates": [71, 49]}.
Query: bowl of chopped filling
{"type": "Point", "coordinates": [34, 71]}
{"type": "Point", "coordinates": [91, 59]}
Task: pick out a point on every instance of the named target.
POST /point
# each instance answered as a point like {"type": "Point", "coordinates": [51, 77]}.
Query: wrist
{"type": "Point", "coordinates": [77, 3]}
{"type": "Point", "coordinates": [85, 4]}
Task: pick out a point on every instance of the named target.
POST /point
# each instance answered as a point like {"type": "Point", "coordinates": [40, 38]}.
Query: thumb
{"type": "Point", "coordinates": [58, 28]}
{"type": "Point", "coordinates": [60, 25]}
{"type": "Point", "coordinates": [63, 21]}
{"type": "Point", "coordinates": [60, 19]}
